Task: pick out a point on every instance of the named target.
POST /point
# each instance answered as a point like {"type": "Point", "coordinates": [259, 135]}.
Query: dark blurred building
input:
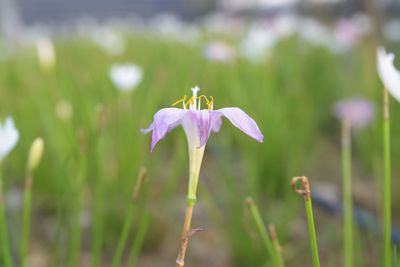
{"type": "Point", "coordinates": [58, 11]}
{"type": "Point", "coordinates": [14, 13]}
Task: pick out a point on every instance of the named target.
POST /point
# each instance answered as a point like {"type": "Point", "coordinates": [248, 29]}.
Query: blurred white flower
{"type": "Point", "coordinates": [169, 26]}
{"type": "Point", "coordinates": [219, 51]}
{"type": "Point", "coordinates": [46, 53]}
{"type": "Point", "coordinates": [126, 76]}
{"type": "Point", "coordinates": [109, 40]}
{"type": "Point", "coordinates": [389, 75]}
{"type": "Point", "coordinates": [9, 136]}
{"type": "Point", "coordinates": [64, 110]}
{"type": "Point", "coordinates": [358, 111]}
{"type": "Point", "coordinates": [258, 43]}
{"type": "Point", "coordinates": [284, 25]}
{"type": "Point", "coordinates": [314, 32]}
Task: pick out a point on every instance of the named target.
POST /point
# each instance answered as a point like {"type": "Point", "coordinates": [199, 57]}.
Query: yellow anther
{"type": "Point", "coordinates": [186, 103]}
{"type": "Point", "coordinates": [183, 99]}
{"type": "Point", "coordinates": [210, 103]}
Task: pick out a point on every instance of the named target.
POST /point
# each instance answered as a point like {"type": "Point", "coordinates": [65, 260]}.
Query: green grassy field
{"type": "Point", "coordinates": [91, 160]}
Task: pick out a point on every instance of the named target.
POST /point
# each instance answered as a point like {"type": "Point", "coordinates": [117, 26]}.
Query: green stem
{"type": "Point", "coordinates": [124, 236]}
{"type": "Point", "coordinates": [347, 195]}
{"type": "Point", "coordinates": [306, 193]}
{"type": "Point", "coordinates": [263, 232]}
{"type": "Point", "coordinates": [98, 225]}
{"type": "Point", "coordinates": [26, 219]}
{"type": "Point", "coordinates": [5, 251]}
{"type": "Point", "coordinates": [75, 245]}
{"type": "Point", "coordinates": [75, 230]}
{"type": "Point", "coordinates": [139, 238]}
{"type": "Point", "coordinates": [387, 181]}
{"type": "Point", "coordinates": [55, 253]}
{"type": "Point", "coordinates": [277, 246]}
{"type": "Point", "coordinates": [98, 222]}
{"type": "Point", "coordinates": [311, 230]}
{"type": "Point", "coordinates": [116, 262]}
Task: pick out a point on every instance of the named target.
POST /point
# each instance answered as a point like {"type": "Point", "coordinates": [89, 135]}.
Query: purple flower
{"type": "Point", "coordinates": [358, 111]}
{"type": "Point", "coordinates": [199, 123]}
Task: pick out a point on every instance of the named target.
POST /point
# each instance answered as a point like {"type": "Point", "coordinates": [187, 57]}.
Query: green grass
{"type": "Point", "coordinates": [91, 160]}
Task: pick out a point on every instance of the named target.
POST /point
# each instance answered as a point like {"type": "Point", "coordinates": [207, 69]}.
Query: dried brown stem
{"type": "Point", "coordinates": [305, 191]}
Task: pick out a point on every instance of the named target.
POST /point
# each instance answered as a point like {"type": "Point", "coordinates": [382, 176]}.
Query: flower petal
{"type": "Point", "coordinates": [216, 123]}
{"type": "Point", "coordinates": [389, 75]}
{"type": "Point", "coordinates": [165, 120]}
{"type": "Point", "coordinates": [204, 124]}
{"type": "Point", "coordinates": [240, 120]}
{"type": "Point", "coordinates": [202, 119]}
{"type": "Point", "coordinates": [9, 136]}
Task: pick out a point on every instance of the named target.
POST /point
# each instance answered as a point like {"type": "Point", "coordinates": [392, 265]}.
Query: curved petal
{"type": "Point", "coordinates": [165, 120]}
{"type": "Point", "coordinates": [240, 120]}
{"type": "Point", "coordinates": [389, 75]}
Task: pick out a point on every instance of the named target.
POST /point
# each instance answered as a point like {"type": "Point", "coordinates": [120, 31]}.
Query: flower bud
{"type": "Point", "coordinates": [35, 154]}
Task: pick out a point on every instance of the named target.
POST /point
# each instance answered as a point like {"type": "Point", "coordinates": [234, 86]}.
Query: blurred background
{"type": "Point", "coordinates": [87, 75]}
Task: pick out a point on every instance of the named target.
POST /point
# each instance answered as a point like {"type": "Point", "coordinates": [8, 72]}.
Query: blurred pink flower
{"type": "Point", "coordinates": [358, 111]}
{"type": "Point", "coordinates": [347, 33]}
{"type": "Point", "coordinates": [219, 51]}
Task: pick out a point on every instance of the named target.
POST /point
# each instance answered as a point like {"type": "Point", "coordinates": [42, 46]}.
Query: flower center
{"type": "Point", "coordinates": [194, 103]}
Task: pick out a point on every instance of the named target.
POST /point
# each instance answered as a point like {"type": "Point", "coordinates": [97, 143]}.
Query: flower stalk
{"type": "Point", "coordinates": [35, 156]}
{"type": "Point", "coordinates": [5, 246]}
{"type": "Point", "coordinates": [195, 159]}
{"type": "Point", "coordinates": [26, 219]}
{"type": "Point", "coordinates": [306, 193]}
{"type": "Point", "coordinates": [347, 194]}
{"type": "Point", "coordinates": [180, 260]}
{"type": "Point", "coordinates": [387, 181]}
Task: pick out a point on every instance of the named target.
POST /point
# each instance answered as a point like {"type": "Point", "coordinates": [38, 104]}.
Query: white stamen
{"type": "Point", "coordinates": [193, 105]}
{"type": "Point", "coordinates": [195, 90]}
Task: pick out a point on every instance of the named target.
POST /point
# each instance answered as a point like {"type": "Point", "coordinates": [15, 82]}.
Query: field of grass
{"type": "Point", "coordinates": [82, 190]}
